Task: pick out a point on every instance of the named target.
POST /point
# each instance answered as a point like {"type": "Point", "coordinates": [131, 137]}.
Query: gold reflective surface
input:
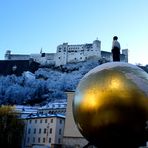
{"type": "Point", "coordinates": [111, 103]}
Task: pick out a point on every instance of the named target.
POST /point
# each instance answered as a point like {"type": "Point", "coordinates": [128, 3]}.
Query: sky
{"type": "Point", "coordinates": [26, 26]}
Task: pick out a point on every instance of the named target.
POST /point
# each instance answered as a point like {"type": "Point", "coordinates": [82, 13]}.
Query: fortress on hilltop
{"type": "Point", "coordinates": [69, 54]}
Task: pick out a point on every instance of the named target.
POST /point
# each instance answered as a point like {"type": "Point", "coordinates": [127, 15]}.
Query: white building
{"type": "Point", "coordinates": [53, 108]}
{"type": "Point", "coordinates": [76, 53]}
{"type": "Point", "coordinates": [69, 54]}
{"type": "Point", "coordinates": [44, 130]}
{"type": "Point", "coordinates": [23, 111]}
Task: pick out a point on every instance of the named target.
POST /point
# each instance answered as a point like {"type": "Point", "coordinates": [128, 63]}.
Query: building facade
{"type": "Point", "coordinates": [53, 108]}
{"type": "Point", "coordinates": [72, 137]}
{"type": "Point", "coordinates": [69, 54]}
{"type": "Point", "coordinates": [24, 111]}
{"type": "Point", "coordinates": [77, 53]}
{"type": "Point", "coordinates": [44, 130]}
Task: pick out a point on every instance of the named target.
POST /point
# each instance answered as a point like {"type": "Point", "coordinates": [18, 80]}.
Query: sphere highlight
{"type": "Point", "coordinates": [110, 106]}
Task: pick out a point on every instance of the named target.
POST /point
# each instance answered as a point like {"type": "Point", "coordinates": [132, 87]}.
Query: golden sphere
{"type": "Point", "coordinates": [110, 106]}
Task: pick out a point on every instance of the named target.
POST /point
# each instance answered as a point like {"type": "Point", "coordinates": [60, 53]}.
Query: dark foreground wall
{"type": "Point", "coordinates": [17, 67]}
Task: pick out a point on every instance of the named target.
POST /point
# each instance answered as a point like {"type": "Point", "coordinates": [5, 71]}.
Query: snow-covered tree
{"type": "Point", "coordinates": [45, 84]}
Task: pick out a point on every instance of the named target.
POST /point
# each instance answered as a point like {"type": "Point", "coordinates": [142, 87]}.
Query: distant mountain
{"type": "Point", "coordinates": [47, 84]}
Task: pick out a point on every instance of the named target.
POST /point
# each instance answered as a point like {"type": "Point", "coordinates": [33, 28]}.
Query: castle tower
{"type": "Point", "coordinates": [97, 48]}
{"type": "Point", "coordinates": [125, 52]}
{"type": "Point", "coordinates": [8, 55]}
{"type": "Point", "coordinates": [61, 56]}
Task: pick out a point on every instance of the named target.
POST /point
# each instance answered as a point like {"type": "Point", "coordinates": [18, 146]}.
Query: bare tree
{"type": "Point", "coordinates": [11, 128]}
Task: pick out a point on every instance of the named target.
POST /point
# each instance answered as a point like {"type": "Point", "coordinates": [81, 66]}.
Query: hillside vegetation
{"type": "Point", "coordinates": [47, 84]}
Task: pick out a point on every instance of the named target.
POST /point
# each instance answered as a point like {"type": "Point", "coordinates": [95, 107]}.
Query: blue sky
{"type": "Point", "coordinates": [26, 26]}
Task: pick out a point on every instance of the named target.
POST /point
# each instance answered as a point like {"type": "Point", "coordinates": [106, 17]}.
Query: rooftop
{"type": "Point", "coordinates": [54, 105]}
{"type": "Point", "coordinates": [35, 116]}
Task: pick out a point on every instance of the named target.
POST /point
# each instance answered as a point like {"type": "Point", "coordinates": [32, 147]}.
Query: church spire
{"type": "Point", "coordinates": [41, 51]}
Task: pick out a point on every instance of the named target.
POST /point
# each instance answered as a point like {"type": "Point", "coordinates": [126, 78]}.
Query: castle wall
{"type": "Point", "coordinates": [36, 57]}
{"type": "Point", "coordinates": [77, 53]}
{"type": "Point", "coordinates": [17, 57]}
{"type": "Point", "coordinates": [108, 55]}
{"type": "Point", "coordinates": [47, 59]}
{"type": "Point", "coordinates": [70, 54]}
{"type": "Point", "coordinates": [125, 52]}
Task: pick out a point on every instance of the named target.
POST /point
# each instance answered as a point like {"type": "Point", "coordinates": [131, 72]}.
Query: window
{"type": "Point", "coordinates": [45, 120]}
{"type": "Point", "coordinates": [60, 121]}
{"type": "Point", "coordinates": [59, 140]}
{"type": "Point", "coordinates": [36, 121]}
{"type": "Point", "coordinates": [29, 131]}
{"type": "Point", "coordinates": [43, 55]}
{"type": "Point", "coordinates": [50, 130]}
{"type": "Point", "coordinates": [43, 140]}
{"type": "Point", "coordinates": [41, 121]}
{"type": "Point", "coordinates": [44, 130]}
{"type": "Point", "coordinates": [30, 121]}
{"type": "Point", "coordinates": [33, 139]}
{"type": "Point", "coordinates": [60, 130]}
{"type": "Point", "coordinates": [28, 140]}
{"type": "Point", "coordinates": [59, 57]}
{"type": "Point", "coordinates": [39, 140]}
{"type": "Point", "coordinates": [80, 57]}
{"type": "Point", "coordinates": [34, 130]}
{"type": "Point", "coordinates": [49, 140]}
{"type": "Point", "coordinates": [51, 120]}
{"type": "Point", "coordinates": [40, 131]}
{"type": "Point", "coordinates": [59, 49]}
